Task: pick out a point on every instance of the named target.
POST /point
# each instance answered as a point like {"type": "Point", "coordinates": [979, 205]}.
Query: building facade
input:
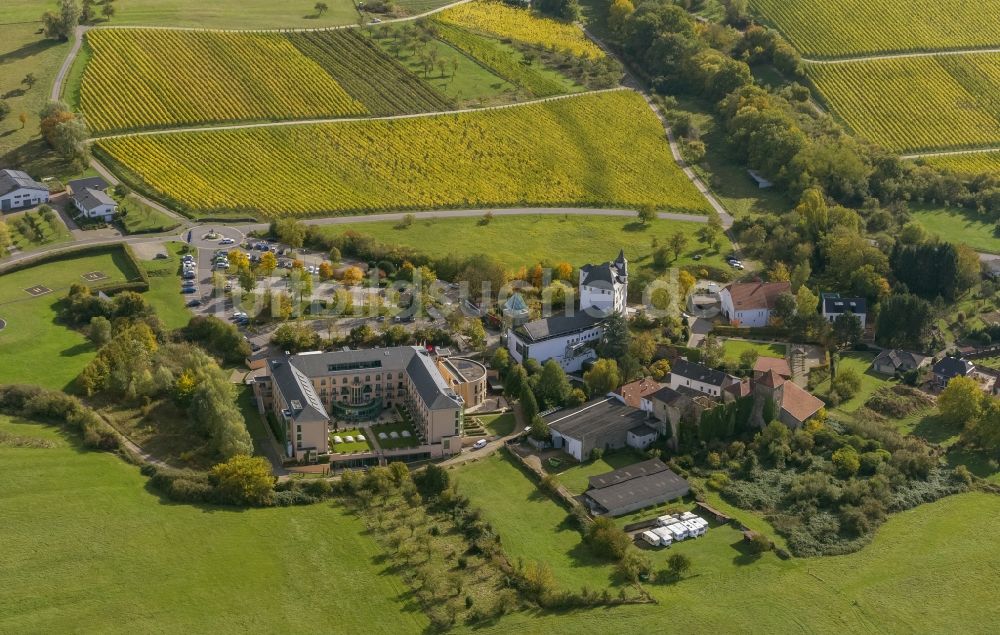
{"type": "Point", "coordinates": [750, 303]}
{"type": "Point", "coordinates": [605, 286]}
{"type": "Point", "coordinates": [307, 392]}
{"type": "Point", "coordinates": [18, 190]}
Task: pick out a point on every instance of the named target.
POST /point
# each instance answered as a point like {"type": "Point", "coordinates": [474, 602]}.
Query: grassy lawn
{"type": "Point", "coordinates": [870, 381]}
{"type": "Point", "coordinates": [499, 425]}
{"type": "Point", "coordinates": [959, 226]}
{"type": "Point", "coordinates": [734, 348]}
{"type": "Point", "coordinates": [25, 239]}
{"type": "Point", "coordinates": [85, 542]}
{"type": "Point", "coordinates": [256, 425]}
{"type": "Point", "coordinates": [141, 218]}
{"type": "Point", "coordinates": [36, 348]}
{"type": "Point", "coordinates": [346, 447]}
{"type": "Point", "coordinates": [883, 588]}
{"type": "Point", "coordinates": [527, 239]}
{"type": "Point", "coordinates": [402, 442]}
{"type": "Point", "coordinates": [246, 14]}
{"type": "Point", "coordinates": [538, 530]}
{"type": "Point", "coordinates": [164, 288]}
{"type": "Point", "coordinates": [575, 478]}
{"type": "Point", "coordinates": [468, 83]}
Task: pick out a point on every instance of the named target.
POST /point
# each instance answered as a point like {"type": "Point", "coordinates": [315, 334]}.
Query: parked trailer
{"type": "Point", "coordinates": [665, 535]}
{"type": "Point", "coordinates": [695, 528]}
{"type": "Point", "coordinates": [679, 531]}
{"type": "Point", "coordinates": [688, 516]}
{"type": "Point", "coordinates": [663, 521]}
{"type": "Point", "coordinates": [651, 537]}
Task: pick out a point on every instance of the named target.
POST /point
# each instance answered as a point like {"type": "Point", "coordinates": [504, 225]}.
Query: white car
{"type": "Point", "coordinates": [226, 241]}
{"type": "Point", "coordinates": [479, 445]}
{"type": "Point", "coordinates": [238, 315]}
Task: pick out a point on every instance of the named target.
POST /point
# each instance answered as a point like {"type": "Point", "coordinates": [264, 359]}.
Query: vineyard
{"type": "Point", "coordinates": [605, 149]}
{"type": "Point", "coordinates": [371, 76]}
{"type": "Point", "coordinates": [505, 61]}
{"type": "Point", "coordinates": [972, 163]}
{"type": "Point", "coordinates": [834, 28]}
{"type": "Point", "coordinates": [502, 20]}
{"type": "Point", "coordinates": [143, 78]}
{"type": "Point", "coordinates": [916, 103]}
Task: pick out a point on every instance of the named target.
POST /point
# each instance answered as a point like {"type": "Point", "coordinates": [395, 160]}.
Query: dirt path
{"type": "Point", "coordinates": [56, 92]}
{"type": "Point", "coordinates": [950, 153]}
{"type": "Point", "coordinates": [892, 56]}
{"type": "Point", "coordinates": [468, 454]}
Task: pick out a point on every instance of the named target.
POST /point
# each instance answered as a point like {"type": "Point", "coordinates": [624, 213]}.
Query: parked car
{"type": "Point", "coordinates": [227, 241]}
{"type": "Point", "coordinates": [189, 290]}
{"type": "Point", "coordinates": [187, 258]}
{"type": "Point", "coordinates": [479, 445]}
{"type": "Point", "coordinates": [193, 303]}
{"type": "Point", "coordinates": [189, 283]}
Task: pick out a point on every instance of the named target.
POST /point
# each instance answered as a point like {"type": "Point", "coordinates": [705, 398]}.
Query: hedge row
{"type": "Point", "coordinates": [50, 406]}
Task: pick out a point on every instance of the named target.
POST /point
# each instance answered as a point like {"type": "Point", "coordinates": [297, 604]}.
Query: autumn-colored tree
{"type": "Point", "coordinates": [325, 271]}
{"type": "Point", "coordinates": [564, 271]}
{"type": "Point", "coordinates": [353, 276]}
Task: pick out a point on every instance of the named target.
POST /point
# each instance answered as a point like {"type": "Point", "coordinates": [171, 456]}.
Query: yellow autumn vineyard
{"type": "Point", "coordinates": [831, 28]}
{"type": "Point", "coordinates": [603, 149]}
{"type": "Point", "coordinates": [501, 20]}
{"type": "Point", "coordinates": [972, 163]}
{"type": "Point", "coordinates": [143, 78]}
{"type": "Point", "coordinates": [916, 103]}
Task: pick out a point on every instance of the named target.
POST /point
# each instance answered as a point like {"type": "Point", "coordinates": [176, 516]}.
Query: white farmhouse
{"type": "Point", "coordinates": [18, 190]}
{"type": "Point", "coordinates": [834, 306]}
{"type": "Point", "coordinates": [692, 376]}
{"type": "Point", "coordinates": [95, 204]}
{"type": "Point", "coordinates": [750, 303]}
{"type": "Point", "coordinates": [570, 338]}
{"type": "Point", "coordinates": [605, 286]}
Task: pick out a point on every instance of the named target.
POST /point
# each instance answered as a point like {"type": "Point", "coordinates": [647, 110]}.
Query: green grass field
{"type": "Point", "coordinates": [527, 239]}
{"type": "Point", "coordinates": [234, 14]}
{"type": "Point", "coordinates": [346, 448]}
{"type": "Point", "coordinates": [36, 349]}
{"type": "Point", "coordinates": [141, 218]}
{"type": "Point", "coordinates": [499, 425]}
{"type": "Point", "coordinates": [575, 478]}
{"type": "Point", "coordinates": [468, 83]}
{"type": "Point", "coordinates": [538, 530]}
{"type": "Point", "coordinates": [164, 288]}
{"type": "Point", "coordinates": [734, 348]}
{"type": "Point", "coordinates": [87, 545]}
{"type": "Point", "coordinates": [959, 226]}
{"type": "Point", "coordinates": [870, 381]}
{"type": "Point", "coordinates": [25, 240]}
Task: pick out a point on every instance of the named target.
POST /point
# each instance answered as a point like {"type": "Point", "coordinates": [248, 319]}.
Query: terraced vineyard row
{"type": "Point", "coordinates": [973, 163]}
{"type": "Point", "coordinates": [143, 78]}
{"type": "Point", "coordinates": [375, 79]}
{"type": "Point", "coordinates": [502, 20]}
{"type": "Point", "coordinates": [606, 149]}
{"type": "Point", "coordinates": [832, 28]}
{"type": "Point", "coordinates": [916, 103]}
{"type": "Point", "coordinates": [505, 61]}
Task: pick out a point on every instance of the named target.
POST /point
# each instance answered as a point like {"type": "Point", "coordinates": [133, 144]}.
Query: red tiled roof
{"type": "Point", "coordinates": [756, 295]}
{"type": "Point", "coordinates": [777, 364]}
{"type": "Point", "coordinates": [771, 379]}
{"type": "Point", "coordinates": [633, 392]}
{"type": "Point", "coordinates": [799, 403]}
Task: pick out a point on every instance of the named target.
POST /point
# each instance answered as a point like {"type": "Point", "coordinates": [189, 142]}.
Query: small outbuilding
{"type": "Point", "coordinates": [633, 487]}
{"type": "Point", "coordinates": [18, 190]}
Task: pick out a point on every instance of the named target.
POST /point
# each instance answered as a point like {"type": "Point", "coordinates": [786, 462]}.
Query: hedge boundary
{"type": "Point", "coordinates": [137, 279]}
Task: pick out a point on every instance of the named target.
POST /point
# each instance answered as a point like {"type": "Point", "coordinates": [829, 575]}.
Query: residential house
{"type": "Point", "coordinates": [633, 487]}
{"type": "Point", "coordinates": [668, 407]}
{"type": "Point", "coordinates": [598, 424]}
{"type": "Point", "coordinates": [18, 190]}
{"type": "Point", "coordinates": [698, 377]}
{"type": "Point", "coordinates": [890, 362]}
{"type": "Point", "coordinates": [950, 367]}
{"type": "Point", "coordinates": [605, 286]}
{"type": "Point", "coordinates": [306, 391]}
{"type": "Point", "coordinates": [633, 393]}
{"type": "Point", "coordinates": [751, 303]}
{"type": "Point", "coordinates": [833, 306]}
{"type": "Point", "coordinates": [92, 203]}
